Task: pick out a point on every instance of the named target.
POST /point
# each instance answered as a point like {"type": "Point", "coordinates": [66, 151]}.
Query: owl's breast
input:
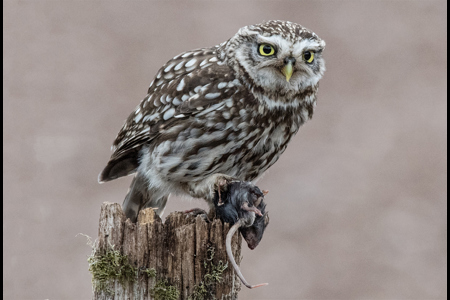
{"type": "Point", "coordinates": [268, 147]}
{"type": "Point", "coordinates": [241, 140]}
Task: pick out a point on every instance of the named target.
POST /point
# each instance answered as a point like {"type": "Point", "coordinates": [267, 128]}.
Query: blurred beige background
{"type": "Point", "coordinates": [357, 202]}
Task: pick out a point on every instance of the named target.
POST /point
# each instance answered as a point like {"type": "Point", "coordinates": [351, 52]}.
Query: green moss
{"type": "Point", "coordinates": [150, 272]}
{"type": "Point", "coordinates": [163, 291]}
{"type": "Point", "coordinates": [200, 292]}
{"type": "Point", "coordinates": [110, 266]}
{"type": "Point", "coordinates": [114, 266]}
{"type": "Point", "coordinates": [213, 275]}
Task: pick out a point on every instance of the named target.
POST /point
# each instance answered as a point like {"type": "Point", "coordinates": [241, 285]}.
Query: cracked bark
{"type": "Point", "coordinates": [176, 249]}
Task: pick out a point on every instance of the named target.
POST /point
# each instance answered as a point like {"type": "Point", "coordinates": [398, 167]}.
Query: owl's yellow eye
{"type": "Point", "coordinates": [308, 56]}
{"type": "Point", "coordinates": [266, 50]}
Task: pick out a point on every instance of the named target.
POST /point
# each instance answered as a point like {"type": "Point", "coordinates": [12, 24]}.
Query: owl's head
{"type": "Point", "coordinates": [277, 56]}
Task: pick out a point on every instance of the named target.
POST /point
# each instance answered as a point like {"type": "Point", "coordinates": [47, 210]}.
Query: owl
{"type": "Point", "coordinates": [217, 114]}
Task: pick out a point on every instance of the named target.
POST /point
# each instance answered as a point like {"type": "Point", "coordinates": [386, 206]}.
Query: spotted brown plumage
{"type": "Point", "coordinates": [221, 111]}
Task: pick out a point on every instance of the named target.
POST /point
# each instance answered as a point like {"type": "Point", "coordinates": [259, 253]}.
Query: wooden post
{"type": "Point", "coordinates": [184, 258]}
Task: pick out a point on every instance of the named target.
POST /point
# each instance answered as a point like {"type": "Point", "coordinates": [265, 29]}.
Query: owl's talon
{"type": "Point", "coordinates": [220, 203]}
{"type": "Point", "coordinates": [221, 182]}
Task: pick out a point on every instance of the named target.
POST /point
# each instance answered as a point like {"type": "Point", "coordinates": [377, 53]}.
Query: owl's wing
{"type": "Point", "coordinates": [190, 85]}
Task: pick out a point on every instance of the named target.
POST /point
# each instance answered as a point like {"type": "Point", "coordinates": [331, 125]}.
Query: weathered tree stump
{"type": "Point", "coordinates": [155, 260]}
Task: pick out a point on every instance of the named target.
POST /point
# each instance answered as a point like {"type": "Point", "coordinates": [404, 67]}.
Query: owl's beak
{"type": "Point", "coordinates": [288, 68]}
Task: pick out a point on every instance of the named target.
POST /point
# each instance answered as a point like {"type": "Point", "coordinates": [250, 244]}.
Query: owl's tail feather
{"type": "Point", "coordinates": [124, 165]}
{"type": "Point", "coordinates": [139, 197]}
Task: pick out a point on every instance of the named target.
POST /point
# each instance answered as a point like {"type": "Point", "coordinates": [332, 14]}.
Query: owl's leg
{"type": "Point", "coordinates": [206, 187]}
{"type": "Point", "coordinates": [139, 197]}
{"type": "Point", "coordinates": [159, 205]}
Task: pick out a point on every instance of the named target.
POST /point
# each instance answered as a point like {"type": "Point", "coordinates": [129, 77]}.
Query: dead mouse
{"type": "Point", "coordinates": [242, 205]}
